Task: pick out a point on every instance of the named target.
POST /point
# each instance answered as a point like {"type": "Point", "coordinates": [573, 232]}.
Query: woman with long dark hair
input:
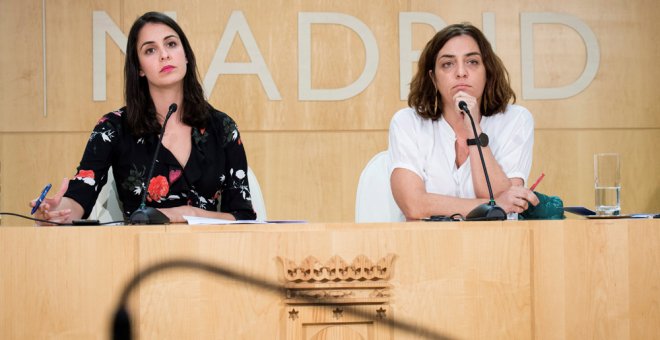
{"type": "Point", "coordinates": [201, 163]}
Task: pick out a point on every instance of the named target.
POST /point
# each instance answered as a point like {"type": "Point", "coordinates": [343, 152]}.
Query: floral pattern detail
{"type": "Point", "coordinates": [174, 175]}
{"type": "Point", "coordinates": [198, 200]}
{"type": "Point", "coordinates": [240, 174]}
{"type": "Point", "coordinates": [104, 119]}
{"type": "Point", "coordinates": [106, 135]}
{"type": "Point", "coordinates": [133, 182]}
{"type": "Point", "coordinates": [199, 136]}
{"type": "Point", "coordinates": [215, 177]}
{"type": "Point", "coordinates": [87, 176]}
{"type": "Point", "coordinates": [230, 129]}
{"type": "Point", "coordinates": [158, 188]}
{"type": "Point", "coordinates": [241, 183]}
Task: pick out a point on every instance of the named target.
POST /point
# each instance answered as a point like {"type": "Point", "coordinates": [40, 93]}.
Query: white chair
{"type": "Point", "coordinates": [374, 201]}
{"type": "Point", "coordinates": [108, 206]}
{"type": "Point", "coordinates": [257, 197]}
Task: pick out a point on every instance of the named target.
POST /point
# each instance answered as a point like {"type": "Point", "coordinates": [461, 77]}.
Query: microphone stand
{"type": "Point", "coordinates": [122, 328]}
{"type": "Point", "coordinates": [151, 215]}
{"type": "Point", "coordinates": [487, 211]}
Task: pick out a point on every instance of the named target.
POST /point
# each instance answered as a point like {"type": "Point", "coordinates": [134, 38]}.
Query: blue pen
{"type": "Point", "coordinates": [40, 199]}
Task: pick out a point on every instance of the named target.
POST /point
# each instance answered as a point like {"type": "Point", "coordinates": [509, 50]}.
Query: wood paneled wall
{"type": "Point", "coordinates": [308, 155]}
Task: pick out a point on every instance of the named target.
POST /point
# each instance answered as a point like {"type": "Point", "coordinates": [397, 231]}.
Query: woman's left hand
{"type": "Point", "coordinates": [516, 199]}
{"type": "Point", "coordinates": [176, 214]}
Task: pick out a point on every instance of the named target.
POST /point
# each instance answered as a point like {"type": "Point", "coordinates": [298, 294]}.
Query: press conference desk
{"type": "Point", "coordinates": [572, 279]}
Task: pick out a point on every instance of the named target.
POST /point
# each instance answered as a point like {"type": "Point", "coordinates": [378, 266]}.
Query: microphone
{"type": "Point", "coordinates": [487, 211]}
{"type": "Point", "coordinates": [150, 215]}
{"type": "Point", "coordinates": [121, 322]}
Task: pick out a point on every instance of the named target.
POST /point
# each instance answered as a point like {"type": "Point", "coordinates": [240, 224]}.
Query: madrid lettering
{"type": "Point", "coordinates": [237, 26]}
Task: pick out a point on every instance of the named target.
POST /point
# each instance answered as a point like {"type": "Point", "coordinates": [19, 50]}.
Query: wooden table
{"type": "Point", "coordinates": [571, 279]}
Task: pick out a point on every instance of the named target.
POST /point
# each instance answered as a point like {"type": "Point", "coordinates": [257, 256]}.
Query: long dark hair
{"type": "Point", "coordinates": [497, 92]}
{"type": "Point", "coordinates": [140, 110]}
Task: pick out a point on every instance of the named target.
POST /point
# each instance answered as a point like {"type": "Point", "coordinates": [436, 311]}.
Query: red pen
{"type": "Point", "coordinates": [537, 182]}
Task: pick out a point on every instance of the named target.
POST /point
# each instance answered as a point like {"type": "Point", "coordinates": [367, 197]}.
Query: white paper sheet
{"type": "Point", "coordinates": [192, 220]}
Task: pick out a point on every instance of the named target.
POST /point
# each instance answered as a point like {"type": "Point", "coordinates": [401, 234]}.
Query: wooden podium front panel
{"type": "Point", "coordinates": [597, 279]}
{"type": "Point", "coordinates": [466, 282]}
{"type": "Point", "coordinates": [63, 282]}
{"type": "Point", "coordinates": [644, 279]}
{"type": "Point", "coordinates": [570, 279]}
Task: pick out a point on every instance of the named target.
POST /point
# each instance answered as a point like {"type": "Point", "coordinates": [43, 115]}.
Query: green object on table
{"type": "Point", "coordinates": [549, 208]}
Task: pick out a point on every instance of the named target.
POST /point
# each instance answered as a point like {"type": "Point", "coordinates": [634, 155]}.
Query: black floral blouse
{"type": "Point", "coordinates": [216, 171]}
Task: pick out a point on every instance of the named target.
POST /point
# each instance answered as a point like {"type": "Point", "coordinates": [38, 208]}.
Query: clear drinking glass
{"type": "Point", "coordinates": [607, 183]}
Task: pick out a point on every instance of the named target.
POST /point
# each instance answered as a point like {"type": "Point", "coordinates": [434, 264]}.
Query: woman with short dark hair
{"type": "Point", "coordinates": [435, 165]}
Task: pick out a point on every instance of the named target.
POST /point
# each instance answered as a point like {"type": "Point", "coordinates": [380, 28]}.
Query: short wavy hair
{"type": "Point", "coordinates": [497, 92]}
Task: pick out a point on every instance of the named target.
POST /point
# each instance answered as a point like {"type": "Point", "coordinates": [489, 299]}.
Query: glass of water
{"type": "Point", "coordinates": [607, 183]}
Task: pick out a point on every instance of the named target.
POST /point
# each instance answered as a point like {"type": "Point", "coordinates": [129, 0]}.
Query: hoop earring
{"type": "Point", "coordinates": [435, 93]}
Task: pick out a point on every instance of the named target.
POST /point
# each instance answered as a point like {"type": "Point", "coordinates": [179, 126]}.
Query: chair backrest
{"type": "Point", "coordinates": [257, 197]}
{"type": "Point", "coordinates": [108, 206]}
{"type": "Point", "coordinates": [374, 201]}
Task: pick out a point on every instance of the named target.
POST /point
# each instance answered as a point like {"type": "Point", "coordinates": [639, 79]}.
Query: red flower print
{"type": "Point", "coordinates": [158, 187]}
{"type": "Point", "coordinates": [85, 173]}
{"type": "Point", "coordinates": [86, 176]}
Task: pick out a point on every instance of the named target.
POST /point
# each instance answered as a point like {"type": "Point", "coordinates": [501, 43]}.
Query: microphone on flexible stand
{"type": "Point", "coordinates": [150, 215]}
{"type": "Point", "coordinates": [487, 211]}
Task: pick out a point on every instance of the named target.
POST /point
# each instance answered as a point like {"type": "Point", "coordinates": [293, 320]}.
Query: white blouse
{"type": "Point", "coordinates": [427, 148]}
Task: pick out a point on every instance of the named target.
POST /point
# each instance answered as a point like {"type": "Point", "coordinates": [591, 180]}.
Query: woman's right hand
{"type": "Point", "coordinates": [473, 106]}
{"type": "Point", "coordinates": [49, 209]}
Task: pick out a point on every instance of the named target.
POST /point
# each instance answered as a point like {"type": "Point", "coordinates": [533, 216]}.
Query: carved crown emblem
{"type": "Point", "coordinates": [336, 269]}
